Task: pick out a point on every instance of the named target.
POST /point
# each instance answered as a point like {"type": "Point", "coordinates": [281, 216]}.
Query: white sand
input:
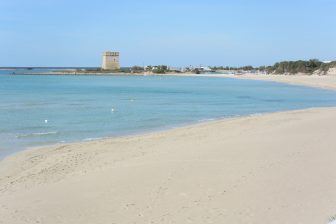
{"type": "Point", "coordinates": [325, 82]}
{"type": "Point", "coordinates": [275, 168]}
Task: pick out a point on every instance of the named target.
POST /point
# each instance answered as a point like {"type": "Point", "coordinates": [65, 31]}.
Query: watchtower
{"type": "Point", "coordinates": [110, 60]}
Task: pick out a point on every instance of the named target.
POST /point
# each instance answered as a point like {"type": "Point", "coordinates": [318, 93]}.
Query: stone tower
{"type": "Point", "coordinates": [110, 61]}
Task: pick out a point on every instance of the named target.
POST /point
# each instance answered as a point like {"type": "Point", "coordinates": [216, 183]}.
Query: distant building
{"type": "Point", "coordinates": [110, 61]}
{"type": "Point", "coordinates": [175, 69]}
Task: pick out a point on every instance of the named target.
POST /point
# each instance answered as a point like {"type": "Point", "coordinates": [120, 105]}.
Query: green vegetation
{"type": "Point", "coordinates": [293, 67]}
{"type": "Point", "coordinates": [286, 67]}
{"type": "Point", "coordinates": [305, 67]}
{"type": "Point", "coordinates": [161, 69]}
{"type": "Point", "coordinates": [137, 69]}
{"type": "Point", "coordinates": [225, 68]}
{"type": "Point", "coordinates": [228, 68]}
{"type": "Point", "coordinates": [326, 66]}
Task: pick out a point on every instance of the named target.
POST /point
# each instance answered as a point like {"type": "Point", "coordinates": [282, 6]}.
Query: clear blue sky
{"type": "Point", "coordinates": [174, 32]}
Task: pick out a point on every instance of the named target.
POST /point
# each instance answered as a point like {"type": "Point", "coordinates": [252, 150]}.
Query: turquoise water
{"type": "Point", "coordinates": [43, 110]}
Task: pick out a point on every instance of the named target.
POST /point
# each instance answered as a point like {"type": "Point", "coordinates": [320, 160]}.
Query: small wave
{"type": "Point", "coordinates": [37, 134]}
{"type": "Point", "coordinates": [207, 120]}
{"type": "Point", "coordinates": [90, 139]}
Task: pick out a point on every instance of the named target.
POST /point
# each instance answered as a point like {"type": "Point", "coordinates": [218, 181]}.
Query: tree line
{"type": "Point", "coordinates": [287, 67]}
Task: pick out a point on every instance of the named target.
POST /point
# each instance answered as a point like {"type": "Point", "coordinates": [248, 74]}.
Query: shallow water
{"type": "Point", "coordinates": [43, 110]}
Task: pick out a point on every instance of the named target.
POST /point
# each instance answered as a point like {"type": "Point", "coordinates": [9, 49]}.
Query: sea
{"type": "Point", "coordinates": [39, 110]}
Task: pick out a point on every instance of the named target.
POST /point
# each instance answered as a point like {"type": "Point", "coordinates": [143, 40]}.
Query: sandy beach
{"type": "Point", "coordinates": [324, 82]}
{"type": "Point", "coordinates": [274, 168]}
{"type": "Point", "coordinates": [317, 81]}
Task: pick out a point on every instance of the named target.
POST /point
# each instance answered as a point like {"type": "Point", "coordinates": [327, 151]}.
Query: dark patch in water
{"type": "Point", "coordinates": [244, 97]}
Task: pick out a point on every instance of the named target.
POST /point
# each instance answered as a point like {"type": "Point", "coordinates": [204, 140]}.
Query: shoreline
{"type": "Point", "coordinates": [315, 81]}
{"type": "Point", "coordinates": [257, 77]}
{"type": "Point", "coordinates": [192, 172]}
{"type": "Point", "coordinates": [160, 130]}
{"type": "Point", "coordinates": [163, 131]}
{"type": "Point", "coordinates": [183, 165]}
{"type": "Point", "coordinates": [145, 133]}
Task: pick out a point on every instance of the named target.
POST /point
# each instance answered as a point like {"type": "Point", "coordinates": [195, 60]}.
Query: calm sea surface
{"type": "Point", "coordinates": [43, 110]}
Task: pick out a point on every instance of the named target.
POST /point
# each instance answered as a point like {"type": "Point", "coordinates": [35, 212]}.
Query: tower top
{"type": "Point", "coordinates": [110, 60]}
{"type": "Point", "coordinates": [111, 53]}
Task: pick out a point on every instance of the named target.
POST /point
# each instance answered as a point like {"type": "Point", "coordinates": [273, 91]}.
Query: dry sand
{"type": "Point", "coordinates": [275, 168]}
{"type": "Point", "coordinates": [325, 82]}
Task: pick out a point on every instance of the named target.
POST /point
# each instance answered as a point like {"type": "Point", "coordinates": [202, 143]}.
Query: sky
{"type": "Point", "coordinates": [174, 32]}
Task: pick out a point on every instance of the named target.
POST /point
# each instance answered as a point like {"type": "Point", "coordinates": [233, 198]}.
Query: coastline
{"type": "Point", "coordinates": [192, 173]}
{"type": "Point", "coordinates": [317, 81]}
